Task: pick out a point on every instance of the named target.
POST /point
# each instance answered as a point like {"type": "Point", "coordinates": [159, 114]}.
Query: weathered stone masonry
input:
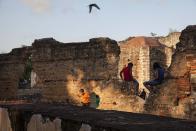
{"type": "Point", "coordinates": [60, 70]}
{"type": "Point", "coordinates": [143, 52]}
{"type": "Point", "coordinates": [65, 68]}
{"type": "Point", "coordinates": [56, 64]}
{"type": "Point", "coordinates": [11, 68]}
{"type": "Point", "coordinates": [176, 96]}
{"type": "Point", "coordinates": [170, 41]}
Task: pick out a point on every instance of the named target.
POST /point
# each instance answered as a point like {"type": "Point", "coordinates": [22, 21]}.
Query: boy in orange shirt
{"type": "Point", "coordinates": [85, 98]}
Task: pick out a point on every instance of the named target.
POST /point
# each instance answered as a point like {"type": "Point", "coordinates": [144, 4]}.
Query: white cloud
{"type": "Point", "coordinates": [38, 5]}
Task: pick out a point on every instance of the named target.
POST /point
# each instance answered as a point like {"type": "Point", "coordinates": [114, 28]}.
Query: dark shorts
{"type": "Point", "coordinates": [152, 82]}
{"type": "Point", "coordinates": [128, 84]}
{"type": "Point", "coordinates": [85, 104]}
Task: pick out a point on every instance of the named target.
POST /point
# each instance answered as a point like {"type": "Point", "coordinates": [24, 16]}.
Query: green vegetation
{"type": "Point", "coordinates": [28, 69]}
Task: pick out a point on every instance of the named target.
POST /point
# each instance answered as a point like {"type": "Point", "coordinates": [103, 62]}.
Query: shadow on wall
{"type": "Point", "coordinates": [63, 69]}
{"type": "Point", "coordinates": [77, 82]}
{"type": "Point", "coordinates": [108, 92]}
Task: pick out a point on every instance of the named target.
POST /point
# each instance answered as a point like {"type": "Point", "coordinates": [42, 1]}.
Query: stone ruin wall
{"type": "Point", "coordinates": [143, 57]}
{"type": "Point", "coordinates": [53, 64]}
{"type": "Point", "coordinates": [11, 68]}
{"type": "Point", "coordinates": [176, 96]}
{"type": "Point", "coordinates": [170, 42]}
{"type": "Point", "coordinates": [96, 69]}
{"type": "Point", "coordinates": [139, 56]}
{"type": "Point", "coordinates": [65, 68]}
{"type": "Point", "coordinates": [62, 69]}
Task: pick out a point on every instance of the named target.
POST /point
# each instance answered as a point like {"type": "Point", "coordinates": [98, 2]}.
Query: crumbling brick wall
{"type": "Point", "coordinates": [176, 96]}
{"type": "Point", "coordinates": [171, 40]}
{"type": "Point", "coordinates": [11, 69]}
{"type": "Point", "coordinates": [142, 52]}
{"type": "Point", "coordinates": [62, 69]}
{"type": "Point", "coordinates": [136, 56]}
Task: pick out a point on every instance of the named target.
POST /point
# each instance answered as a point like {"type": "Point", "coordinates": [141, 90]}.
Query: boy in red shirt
{"type": "Point", "coordinates": [126, 75]}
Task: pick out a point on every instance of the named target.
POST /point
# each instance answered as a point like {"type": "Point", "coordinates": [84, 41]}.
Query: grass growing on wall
{"type": "Point", "coordinates": [28, 69]}
{"type": "Point", "coordinates": [25, 80]}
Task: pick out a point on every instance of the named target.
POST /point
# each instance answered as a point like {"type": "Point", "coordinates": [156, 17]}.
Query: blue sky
{"type": "Point", "coordinates": [22, 21]}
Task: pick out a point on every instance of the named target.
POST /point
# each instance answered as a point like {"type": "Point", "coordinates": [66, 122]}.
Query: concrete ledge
{"type": "Point", "coordinates": [98, 119]}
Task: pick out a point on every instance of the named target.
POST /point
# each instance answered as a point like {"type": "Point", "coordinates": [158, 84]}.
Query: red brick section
{"type": "Point", "coordinates": [193, 72]}
{"type": "Point", "coordinates": [184, 85]}
{"type": "Point", "coordinates": [191, 63]}
{"type": "Point", "coordinates": [193, 68]}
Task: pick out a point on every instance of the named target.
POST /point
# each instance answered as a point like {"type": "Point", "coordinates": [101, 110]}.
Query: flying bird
{"type": "Point", "coordinates": [93, 5]}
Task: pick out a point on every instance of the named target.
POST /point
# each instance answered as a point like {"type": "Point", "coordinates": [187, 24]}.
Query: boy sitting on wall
{"type": "Point", "coordinates": [127, 77]}
{"type": "Point", "coordinates": [85, 98]}
{"type": "Point", "coordinates": [159, 77]}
